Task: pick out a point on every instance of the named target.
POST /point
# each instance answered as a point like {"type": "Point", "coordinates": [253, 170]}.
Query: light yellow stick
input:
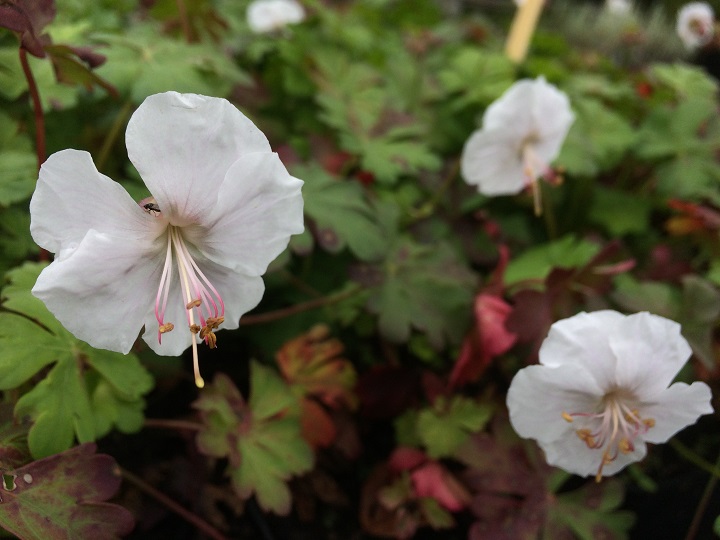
{"type": "Point", "coordinates": [522, 29]}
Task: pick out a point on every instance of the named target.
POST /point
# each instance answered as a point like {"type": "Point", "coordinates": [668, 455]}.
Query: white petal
{"type": "Point", "coordinates": [552, 117]}
{"type": "Point", "coordinates": [573, 455]}
{"type": "Point", "coordinates": [259, 207]}
{"type": "Point", "coordinates": [650, 352]}
{"type": "Point", "coordinates": [538, 396]}
{"type": "Point", "coordinates": [72, 197]}
{"type": "Point", "coordinates": [239, 292]}
{"type": "Point", "coordinates": [695, 23]}
{"type": "Point", "coordinates": [491, 161]}
{"type": "Point", "coordinates": [513, 110]}
{"type": "Point", "coordinates": [102, 290]}
{"type": "Point", "coordinates": [269, 15]}
{"type": "Point", "coordinates": [183, 145]}
{"type": "Point", "coordinates": [675, 408]}
{"type": "Point", "coordinates": [583, 341]}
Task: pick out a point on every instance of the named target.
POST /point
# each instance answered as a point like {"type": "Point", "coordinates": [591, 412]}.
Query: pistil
{"type": "Point", "coordinates": [613, 429]}
{"type": "Point", "coordinates": [204, 307]}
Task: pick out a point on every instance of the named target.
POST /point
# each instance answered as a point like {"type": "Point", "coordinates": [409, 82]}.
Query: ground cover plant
{"type": "Point", "coordinates": [358, 269]}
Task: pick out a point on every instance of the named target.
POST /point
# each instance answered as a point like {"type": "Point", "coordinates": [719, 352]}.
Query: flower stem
{"type": "Point", "coordinates": [522, 30]}
{"type": "Point", "coordinates": [428, 207]}
{"type": "Point", "coordinates": [112, 135]}
{"type": "Point", "coordinates": [703, 503]}
{"type": "Point", "coordinates": [184, 21]}
{"type": "Point", "coordinates": [173, 424]}
{"type": "Point", "coordinates": [278, 314]}
{"type": "Point", "coordinates": [170, 504]}
{"type": "Point", "coordinates": [37, 109]}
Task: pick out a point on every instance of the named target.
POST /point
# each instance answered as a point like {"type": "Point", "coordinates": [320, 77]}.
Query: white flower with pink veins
{"type": "Point", "coordinates": [695, 24]}
{"type": "Point", "coordinates": [269, 15]}
{"type": "Point", "coordinates": [522, 133]}
{"type": "Point", "coordinates": [183, 262]}
{"type": "Point", "coordinates": [602, 390]}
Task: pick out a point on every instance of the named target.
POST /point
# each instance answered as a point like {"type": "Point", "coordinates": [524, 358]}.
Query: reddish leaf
{"type": "Point", "coordinates": [386, 391]}
{"type": "Point", "coordinates": [435, 481]}
{"type": "Point", "coordinates": [489, 338]}
{"type": "Point", "coordinates": [61, 497]}
{"type": "Point", "coordinates": [317, 427]}
{"type": "Point", "coordinates": [70, 70]}
{"type": "Point", "coordinates": [28, 18]}
{"type": "Point", "coordinates": [404, 459]}
{"type": "Point", "coordinates": [312, 363]}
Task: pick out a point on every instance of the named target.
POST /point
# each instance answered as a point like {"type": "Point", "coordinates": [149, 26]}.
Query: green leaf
{"type": "Point", "coordinates": [426, 288]}
{"type": "Point", "coordinates": [448, 424]}
{"type": "Point", "coordinates": [597, 140]}
{"type": "Point", "coordinates": [63, 496]}
{"type": "Point", "coordinates": [590, 512]}
{"type": "Point", "coordinates": [61, 404]}
{"type": "Point", "coordinates": [342, 214]}
{"type": "Point", "coordinates": [260, 437]}
{"type": "Point", "coordinates": [470, 65]}
{"type": "Point", "coordinates": [142, 61]}
{"type": "Point", "coordinates": [537, 263]}
{"type": "Point", "coordinates": [620, 212]}
{"type": "Point", "coordinates": [686, 80]}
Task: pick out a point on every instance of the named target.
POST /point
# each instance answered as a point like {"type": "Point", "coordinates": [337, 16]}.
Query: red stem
{"type": "Point", "coordinates": [37, 109]}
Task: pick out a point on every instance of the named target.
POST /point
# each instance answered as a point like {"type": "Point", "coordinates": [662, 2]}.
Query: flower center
{"type": "Point", "coordinates": [613, 429]}
{"type": "Point", "coordinates": [533, 168]}
{"type": "Point", "coordinates": [204, 307]}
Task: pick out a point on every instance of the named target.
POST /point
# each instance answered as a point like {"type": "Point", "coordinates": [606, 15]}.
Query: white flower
{"type": "Point", "coordinates": [601, 391]}
{"type": "Point", "coordinates": [522, 134]}
{"type": "Point", "coordinates": [269, 15]}
{"type": "Point", "coordinates": [618, 7]}
{"type": "Point", "coordinates": [695, 24]}
{"type": "Point", "coordinates": [223, 208]}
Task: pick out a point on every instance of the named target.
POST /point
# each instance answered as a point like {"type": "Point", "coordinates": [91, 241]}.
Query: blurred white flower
{"type": "Point", "coordinates": [601, 391]}
{"type": "Point", "coordinates": [695, 22]}
{"type": "Point", "coordinates": [270, 15]}
{"type": "Point", "coordinates": [522, 133]}
{"type": "Point", "coordinates": [223, 208]}
{"type": "Point", "coordinates": [618, 7]}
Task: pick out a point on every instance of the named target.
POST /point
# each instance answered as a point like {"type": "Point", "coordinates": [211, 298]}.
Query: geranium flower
{"type": "Point", "coordinates": [223, 208]}
{"type": "Point", "coordinates": [270, 15]}
{"type": "Point", "coordinates": [695, 24]}
{"type": "Point", "coordinates": [601, 391]}
{"type": "Point", "coordinates": [522, 133]}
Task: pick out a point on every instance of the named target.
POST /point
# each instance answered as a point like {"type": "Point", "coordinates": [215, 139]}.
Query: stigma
{"type": "Point", "coordinates": [612, 430]}
{"type": "Point", "coordinates": [204, 308]}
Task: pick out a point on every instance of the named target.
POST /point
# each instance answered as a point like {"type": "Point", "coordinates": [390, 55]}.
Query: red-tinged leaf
{"type": "Point", "coordinates": [312, 363]}
{"type": "Point", "coordinates": [510, 498]}
{"type": "Point", "coordinates": [386, 391]}
{"type": "Point", "coordinates": [405, 458]}
{"type": "Point", "coordinates": [386, 505]}
{"type": "Point", "coordinates": [489, 338]}
{"type": "Point", "coordinates": [61, 497]}
{"type": "Point", "coordinates": [28, 18]}
{"type": "Point", "coordinates": [70, 69]}
{"type": "Point", "coordinates": [318, 428]}
{"type": "Point", "coordinates": [435, 481]}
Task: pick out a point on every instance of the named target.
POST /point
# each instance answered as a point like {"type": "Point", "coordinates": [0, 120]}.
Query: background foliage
{"type": "Point", "coordinates": [364, 397]}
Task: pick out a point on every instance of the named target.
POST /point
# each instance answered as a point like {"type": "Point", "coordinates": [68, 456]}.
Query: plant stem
{"type": "Point", "coordinates": [112, 135]}
{"type": "Point", "coordinates": [184, 21]}
{"type": "Point", "coordinates": [703, 503]}
{"type": "Point", "coordinates": [37, 109]}
{"type": "Point", "coordinates": [173, 424]}
{"type": "Point", "coordinates": [171, 505]}
{"type": "Point", "coordinates": [299, 308]}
